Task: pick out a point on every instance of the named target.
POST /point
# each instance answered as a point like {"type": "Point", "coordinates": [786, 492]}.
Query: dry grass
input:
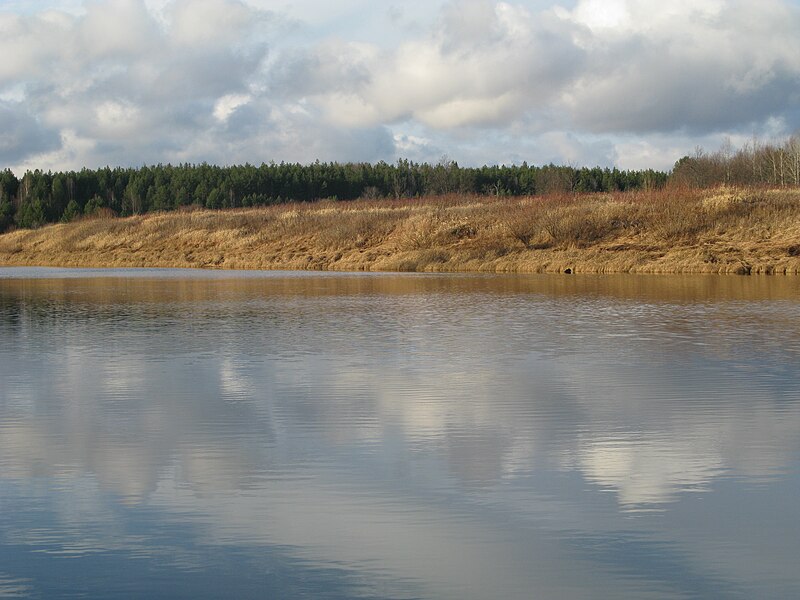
{"type": "Point", "coordinates": [669, 231]}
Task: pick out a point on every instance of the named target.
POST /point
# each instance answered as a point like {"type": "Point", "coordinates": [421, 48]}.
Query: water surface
{"type": "Point", "coordinates": [168, 433]}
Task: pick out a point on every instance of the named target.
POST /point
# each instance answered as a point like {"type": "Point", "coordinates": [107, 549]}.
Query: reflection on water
{"type": "Point", "coordinates": [196, 434]}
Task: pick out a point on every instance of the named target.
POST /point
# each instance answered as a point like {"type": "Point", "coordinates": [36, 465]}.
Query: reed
{"type": "Point", "coordinates": [721, 230]}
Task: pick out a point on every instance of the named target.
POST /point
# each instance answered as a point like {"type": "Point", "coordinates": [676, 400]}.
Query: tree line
{"type": "Point", "coordinates": [45, 197]}
{"type": "Point", "coordinates": [775, 164]}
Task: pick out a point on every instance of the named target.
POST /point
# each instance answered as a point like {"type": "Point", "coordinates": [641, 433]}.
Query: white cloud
{"type": "Point", "coordinates": [116, 119]}
{"type": "Point", "coordinates": [601, 15]}
{"type": "Point", "coordinates": [615, 17]}
{"type": "Point", "coordinates": [226, 105]}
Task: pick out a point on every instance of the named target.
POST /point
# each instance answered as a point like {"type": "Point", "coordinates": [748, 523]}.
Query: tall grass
{"type": "Point", "coordinates": [719, 230]}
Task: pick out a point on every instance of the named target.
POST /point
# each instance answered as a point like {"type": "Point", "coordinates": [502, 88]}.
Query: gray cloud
{"type": "Point", "coordinates": [117, 79]}
{"type": "Point", "coordinates": [22, 135]}
{"type": "Point", "coordinates": [470, 25]}
{"type": "Point", "coordinates": [261, 130]}
{"type": "Point", "coordinates": [329, 67]}
{"type": "Point", "coordinates": [483, 81]}
{"type": "Point", "coordinates": [488, 64]}
{"type": "Point", "coordinates": [297, 134]}
{"type": "Point", "coordinates": [709, 67]}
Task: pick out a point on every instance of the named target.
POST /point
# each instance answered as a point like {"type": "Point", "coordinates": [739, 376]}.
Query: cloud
{"type": "Point", "coordinates": [227, 105]}
{"type": "Point", "coordinates": [331, 67]}
{"type": "Point", "coordinates": [143, 81]}
{"type": "Point", "coordinates": [261, 130]}
{"type": "Point", "coordinates": [700, 66]}
{"type": "Point", "coordinates": [115, 76]}
{"type": "Point", "coordinates": [635, 68]}
{"type": "Point", "coordinates": [481, 65]}
{"type": "Point", "coordinates": [211, 22]}
{"type": "Point", "coordinates": [22, 135]}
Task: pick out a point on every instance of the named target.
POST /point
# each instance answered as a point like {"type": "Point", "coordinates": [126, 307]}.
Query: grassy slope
{"type": "Point", "coordinates": [712, 231]}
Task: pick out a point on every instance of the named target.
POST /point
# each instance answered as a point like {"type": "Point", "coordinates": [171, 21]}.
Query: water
{"type": "Point", "coordinates": [184, 434]}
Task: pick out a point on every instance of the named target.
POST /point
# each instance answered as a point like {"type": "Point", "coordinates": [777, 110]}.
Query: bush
{"type": "Point", "coordinates": [524, 224]}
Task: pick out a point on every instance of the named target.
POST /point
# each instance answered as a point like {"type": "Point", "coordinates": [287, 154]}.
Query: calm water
{"type": "Point", "coordinates": [254, 435]}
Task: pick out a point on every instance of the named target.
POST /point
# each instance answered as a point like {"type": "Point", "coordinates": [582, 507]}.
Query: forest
{"type": "Point", "coordinates": [45, 197]}
{"type": "Point", "coordinates": [41, 197]}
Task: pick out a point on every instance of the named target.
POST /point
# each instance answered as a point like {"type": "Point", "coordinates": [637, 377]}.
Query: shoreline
{"type": "Point", "coordinates": [718, 231]}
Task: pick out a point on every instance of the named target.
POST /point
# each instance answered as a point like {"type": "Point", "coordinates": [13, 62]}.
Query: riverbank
{"type": "Point", "coordinates": [688, 231]}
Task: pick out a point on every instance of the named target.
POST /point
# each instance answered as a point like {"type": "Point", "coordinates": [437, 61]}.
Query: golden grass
{"type": "Point", "coordinates": [668, 231]}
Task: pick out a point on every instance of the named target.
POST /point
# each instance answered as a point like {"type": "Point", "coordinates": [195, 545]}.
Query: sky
{"type": "Point", "coordinates": [627, 83]}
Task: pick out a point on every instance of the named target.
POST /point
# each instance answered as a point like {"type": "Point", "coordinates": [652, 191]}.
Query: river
{"type": "Point", "coordinates": [193, 434]}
